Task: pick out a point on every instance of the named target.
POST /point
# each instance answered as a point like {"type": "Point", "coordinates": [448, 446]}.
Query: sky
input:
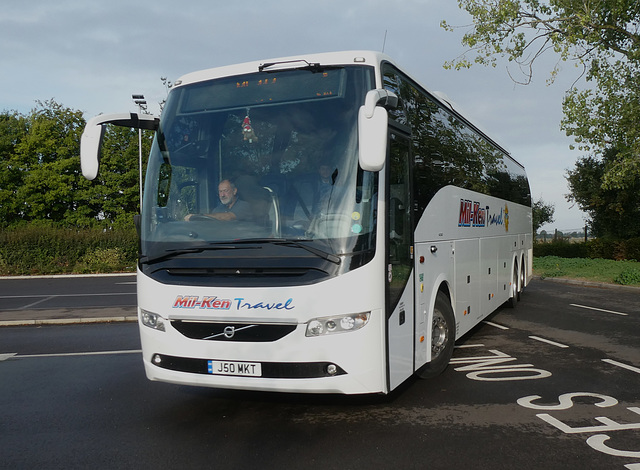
{"type": "Point", "coordinates": [93, 55]}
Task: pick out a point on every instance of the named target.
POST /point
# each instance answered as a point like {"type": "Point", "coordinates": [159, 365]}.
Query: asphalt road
{"type": "Point", "coordinates": [67, 298]}
{"type": "Point", "coordinates": [553, 384]}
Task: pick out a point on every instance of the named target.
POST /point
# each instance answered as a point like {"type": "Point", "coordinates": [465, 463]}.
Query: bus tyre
{"type": "Point", "coordinates": [523, 270]}
{"type": "Point", "coordinates": [515, 290]}
{"type": "Point", "coordinates": [442, 338]}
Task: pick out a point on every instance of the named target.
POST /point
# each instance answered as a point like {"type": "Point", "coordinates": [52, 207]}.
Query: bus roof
{"type": "Point", "coordinates": [327, 58]}
{"type": "Point", "coordinates": [357, 57]}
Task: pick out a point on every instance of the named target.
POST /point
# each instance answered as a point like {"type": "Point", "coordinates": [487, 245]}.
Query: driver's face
{"type": "Point", "coordinates": [226, 193]}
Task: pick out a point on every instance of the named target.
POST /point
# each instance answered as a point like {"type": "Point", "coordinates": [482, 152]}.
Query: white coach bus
{"type": "Point", "coordinates": [366, 225]}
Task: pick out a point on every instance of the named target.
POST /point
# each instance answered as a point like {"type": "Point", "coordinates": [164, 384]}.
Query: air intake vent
{"type": "Point", "coordinates": [248, 276]}
{"type": "Point", "coordinates": [210, 331]}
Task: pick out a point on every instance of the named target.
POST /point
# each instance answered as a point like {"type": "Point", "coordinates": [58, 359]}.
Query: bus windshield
{"type": "Point", "coordinates": [268, 157]}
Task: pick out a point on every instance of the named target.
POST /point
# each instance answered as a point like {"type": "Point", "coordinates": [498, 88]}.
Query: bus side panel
{"type": "Point", "coordinates": [488, 276]}
{"type": "Point", "coordinates": [505, 269]}
{"type": "Point", "coordinates": [434, 266]}
{"type": "Point", "coordinates": [525, 249]}
{"type": "Point", "coordinates": [467, 284]}
{"type": "Point", "coordinates": [400, 331]}
{"type": "Point", "coordinates": [529, 257]}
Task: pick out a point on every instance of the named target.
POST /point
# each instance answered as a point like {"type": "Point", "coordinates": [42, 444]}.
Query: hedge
{"type": "Point", "coordinates": [45, 249]}
{"type": "Point", "coordinates": [598, 248]}
{"type": "Point", "coordinates": [41, 248]}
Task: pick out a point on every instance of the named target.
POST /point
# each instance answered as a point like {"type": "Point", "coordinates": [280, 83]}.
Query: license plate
{"type": "Point", "coordinates": [243, 369]}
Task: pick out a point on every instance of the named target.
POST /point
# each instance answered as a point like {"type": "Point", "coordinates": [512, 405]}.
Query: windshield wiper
{"type": "Point", "coordinates": [173, 252]}
{"type": "Point", "coordinates": [295, 243]}
{"type": "Point", "coordinates": [243, 244]}
{"type": "Point", "coordinates": [322, 254]}
{"type": "Point", "coordinates": [297, 64]}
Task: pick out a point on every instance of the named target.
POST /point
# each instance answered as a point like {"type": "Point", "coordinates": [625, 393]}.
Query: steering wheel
{"type": "Point", "coordinates": [200, 218]}
{"type": "Point", "coordinates": [331, 225]}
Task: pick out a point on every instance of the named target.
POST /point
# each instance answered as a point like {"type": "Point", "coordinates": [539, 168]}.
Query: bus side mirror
{"type": "Point", "coordinates": [91, 140]}
{"type": "Point", "coordinates": [373, 122]}
{"type": "Point", "coordinates": [90, 145]}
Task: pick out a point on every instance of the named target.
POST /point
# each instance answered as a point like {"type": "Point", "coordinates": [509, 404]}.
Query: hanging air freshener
{"type": "Point", "coordinates": [247, 130]}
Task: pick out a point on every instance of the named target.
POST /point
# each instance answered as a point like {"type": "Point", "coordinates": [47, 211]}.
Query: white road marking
{"type": "Point", "coordinates": [502, 327]}
{"type": "Point", "coordinates": [4, 357]}
{"type": "Point", "coordinates": [624, 366]}
{"type": "Point", "coordinates": [600, 310]}
{"type": "Point", "coordinates": [32, 304]}
{"type": "Point", "coordinates": [548, 341]}
{"type": "Point", "coordinates": [92, 353]}
{"type": "Point", "coordinates": [462, 346]}
{"type": "Point", "coordinates": [49, 296]}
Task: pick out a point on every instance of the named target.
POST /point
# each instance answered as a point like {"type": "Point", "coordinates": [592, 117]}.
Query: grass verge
{"type": "Point", "coordinates": [625, 273]}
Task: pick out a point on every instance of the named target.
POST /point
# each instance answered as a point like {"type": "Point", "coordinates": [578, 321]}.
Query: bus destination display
{"type": "Point", "coordinates": [264, 89]}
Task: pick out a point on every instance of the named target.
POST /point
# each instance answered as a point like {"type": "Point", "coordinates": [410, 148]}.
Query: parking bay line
{"type": "Point", "coordinates": [48, 296]}
{"type": "Point", "coordinates": [495, 325]}
{"type": "Point", "coordinates": [537, 338]}
{"type": "Point", "coordinates": [620, 364]}
{"type": "Point", "coordinates": [4, 357]}
{"type": "Point", "coordinates": [548, 341]}
{"type": "Point", "coordinates": [600, 310]}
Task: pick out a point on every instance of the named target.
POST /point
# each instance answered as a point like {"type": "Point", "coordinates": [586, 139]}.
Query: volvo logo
{"type": "Point", "coordinates": [229, 332]}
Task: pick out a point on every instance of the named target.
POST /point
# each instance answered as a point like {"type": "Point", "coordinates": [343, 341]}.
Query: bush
{"type": "Point", "coordinates": [632, 249]}
{"type": "Point", "coordinates": [101, 260]}
{"type": "Point", "coordinates": [561, 248]}
{"type": "Point", "coordinates": [628, 277]}
{"type": "Point", "coordinates": [603, 248]}
{"type": "Point", "coordinates": [599, 248]}
{"type": "Point", "coordinates": [607, 248]}
{"type": "Point", "coordinates": [41, 248]}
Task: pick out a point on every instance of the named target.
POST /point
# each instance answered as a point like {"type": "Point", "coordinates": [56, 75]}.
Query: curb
{"type": "Point", "coordinates": [58, 276]}
{"type": "Point", "coordinates": [66, 316]}
{"type": "Point", "coordinates": [578, 282]}
{"type": "Point", "coordinates": [68, 321]}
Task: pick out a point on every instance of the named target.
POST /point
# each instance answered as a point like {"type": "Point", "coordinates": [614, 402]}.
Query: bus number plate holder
{"type": "Point", "coordinates": [241, 369]}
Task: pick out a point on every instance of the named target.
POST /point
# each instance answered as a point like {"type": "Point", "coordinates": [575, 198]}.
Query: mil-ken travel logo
{"type": "Point", "coordinates": [214, 303]}
{"type": "Point", "coordinates": [472, 214]}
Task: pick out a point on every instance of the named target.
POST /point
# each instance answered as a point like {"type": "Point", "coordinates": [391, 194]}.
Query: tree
{"type": "Point", "coordinates": [613, 213]}
{"type": "Point", "coordinates": [602, 37]}
{"type": "Point", "coordinates": [542, 213]}
{"type": "Point", "coordinates": [13, 128]}
{"type": "Point", "coordinates": [40, 176]}
{"type": "Point", "coordinates": [47, 169]}
{"type": "Point", "coordinates": [115, 194]}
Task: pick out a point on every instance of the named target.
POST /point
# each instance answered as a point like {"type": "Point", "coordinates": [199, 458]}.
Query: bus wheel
{"type": "Point", "coordinates": [442, 338]}
{"type": "Point", "coordinates": [515, 290]}
{"type": "Point", "coordinates": [522, 278]}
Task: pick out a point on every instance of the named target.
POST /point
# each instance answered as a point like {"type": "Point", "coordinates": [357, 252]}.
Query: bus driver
{"type": "Point", "coordinates": [230, 207]}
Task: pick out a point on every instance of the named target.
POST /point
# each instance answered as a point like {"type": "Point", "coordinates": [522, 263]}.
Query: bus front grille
{"type": "Point", "coordinates": [214, 331]}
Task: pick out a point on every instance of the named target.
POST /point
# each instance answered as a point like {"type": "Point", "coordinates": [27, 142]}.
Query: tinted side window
{"type": "Point", "coordinates": [447, 151]}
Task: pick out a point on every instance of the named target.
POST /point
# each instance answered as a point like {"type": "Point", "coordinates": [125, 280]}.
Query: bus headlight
{"type": "Point", "coordinates": [336, 324]}
{"type": "Point", "coordinates": [151, 320]}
